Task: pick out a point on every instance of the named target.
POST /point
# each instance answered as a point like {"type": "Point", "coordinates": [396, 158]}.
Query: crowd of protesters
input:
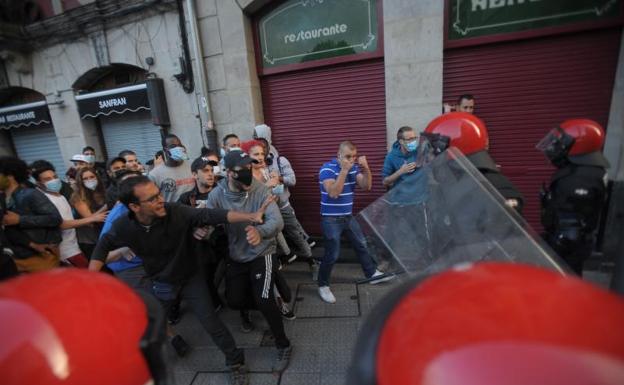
{"type": "Point", "coordinates": [177, 228]}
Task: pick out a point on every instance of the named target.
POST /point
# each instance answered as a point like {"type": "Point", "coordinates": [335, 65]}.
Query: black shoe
{"type": "Point", "coordinates": [285, 310]}
{"type": "Point", "coordinates": [180, 346]}
{"type": "Point", "coordinates": [246, 324]}
{"type": "Point", "coordinates": [239, 375]}
{"type": "Point", "coordinates": [283, 359]}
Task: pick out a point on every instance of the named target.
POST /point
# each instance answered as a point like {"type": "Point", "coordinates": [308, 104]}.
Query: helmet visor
{"type": "Point", "coordinates": [556, 144]}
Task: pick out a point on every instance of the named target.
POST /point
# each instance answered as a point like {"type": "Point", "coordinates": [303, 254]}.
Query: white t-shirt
{"type": "Point", "coordinates": [69, 245]}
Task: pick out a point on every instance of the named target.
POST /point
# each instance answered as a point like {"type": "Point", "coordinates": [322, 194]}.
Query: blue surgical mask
{"type": "Point", "coordinates": [278, 190]}
{"type": "Point", "coordinates": [90, 158]}
{"type": "Point", "coordinates": [178, 154]}
{"type": "Point", "coordinates": [90, 184]}
{"type": "Point", "coordinates": [412, 146]}
{"type": "Point", "coordinates": [54, 185]}
{"type": "Point", "coordinates": [222, 152]}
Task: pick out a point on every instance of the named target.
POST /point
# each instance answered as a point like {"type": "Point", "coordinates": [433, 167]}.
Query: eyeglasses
{"type": "Point", "coordinates": [153, 199]}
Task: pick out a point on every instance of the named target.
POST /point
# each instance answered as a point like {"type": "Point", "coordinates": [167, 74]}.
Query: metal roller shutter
{"type": "Point", "coordinates": [312, 111]}
{"type": "Point", "coordinates": [34, 143]}
{"type": "Point", "coordinates": [524, 88]}
{"type": "Point", "coordinates": [131, 131]}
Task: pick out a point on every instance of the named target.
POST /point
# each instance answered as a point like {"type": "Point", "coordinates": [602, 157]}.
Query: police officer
{"type": "Point", "coordinates": [572, 203]}
{"type": "Point", "coordinates": [468, 133]}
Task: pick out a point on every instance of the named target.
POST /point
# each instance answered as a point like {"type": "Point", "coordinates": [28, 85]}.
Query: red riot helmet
{"type": "Point", "coordinates": [579, 141]}
{"type": "Point", "coordinates": [71, 326]}
{"type": "Point", "coordinates": [466, 132]}
{"type": "Point", "coordinates": [493, 323]}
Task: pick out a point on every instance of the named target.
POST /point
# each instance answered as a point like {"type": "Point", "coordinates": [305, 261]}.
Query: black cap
{"type": "Point", "coordinates": [237, 158]}
{"type": "Point", "coordinates": [201, 162]}
{"type": "Point", "coordinates": [115, 159]}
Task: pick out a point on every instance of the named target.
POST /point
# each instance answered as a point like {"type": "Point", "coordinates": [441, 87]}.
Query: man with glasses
{"type": "Point", "coordinates": [338, 179]}
{"type": "Point", "coordinates": [401, 160]}
{"type": "Point", "coordinates": [161, 234]}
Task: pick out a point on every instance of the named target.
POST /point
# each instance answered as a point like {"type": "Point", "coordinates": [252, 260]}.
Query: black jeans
{"type": "Point", "coordinates": [195, 293]}
{"type": "Point", "coordinates": [249, 285]}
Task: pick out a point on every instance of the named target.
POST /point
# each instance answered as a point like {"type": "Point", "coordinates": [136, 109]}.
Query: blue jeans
{"type": "Point", "coordinates": [333, 227]}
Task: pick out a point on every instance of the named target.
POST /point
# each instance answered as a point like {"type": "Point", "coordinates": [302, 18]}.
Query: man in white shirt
{"type": "Point", "coordinates": [49, 183]}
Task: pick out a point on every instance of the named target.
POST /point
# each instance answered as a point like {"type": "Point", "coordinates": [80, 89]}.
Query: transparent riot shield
{"type": "Point", "coordinates": [446, 214]}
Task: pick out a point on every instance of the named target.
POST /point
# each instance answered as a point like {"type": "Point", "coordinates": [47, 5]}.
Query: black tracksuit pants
{"type": "Point", "coordinates": [249, 285]}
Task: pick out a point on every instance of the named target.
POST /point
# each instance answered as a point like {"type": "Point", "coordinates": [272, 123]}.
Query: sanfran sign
{"type": "Point", "coordinates": [305, 30]}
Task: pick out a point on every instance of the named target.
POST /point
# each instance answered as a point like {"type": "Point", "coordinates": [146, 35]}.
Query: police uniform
{"type": "Point", "coordinates": [573, 201]}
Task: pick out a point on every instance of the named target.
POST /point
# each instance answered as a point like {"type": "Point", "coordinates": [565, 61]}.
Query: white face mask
{"type": "Point", "coordinates": [216, 170]}
{"type": "Point", "coordinates": [91, 184]}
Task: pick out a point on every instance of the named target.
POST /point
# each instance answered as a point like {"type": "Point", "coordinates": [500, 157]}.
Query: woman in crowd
{"type": "Point", "coordinates": [89, 197]}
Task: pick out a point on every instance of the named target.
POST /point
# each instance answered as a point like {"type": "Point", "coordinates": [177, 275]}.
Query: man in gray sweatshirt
{"type": "Point", "coordinates": [250, 270]}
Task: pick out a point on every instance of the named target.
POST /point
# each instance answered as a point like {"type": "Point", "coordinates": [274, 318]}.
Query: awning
{"type": "Point", "coordinates": [116, 100]}
{"type": "Point", "coordinates": [24, 115]}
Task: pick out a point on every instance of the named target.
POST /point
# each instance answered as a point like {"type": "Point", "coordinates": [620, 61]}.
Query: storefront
{"type": "Point", "coordinates": [322, 78]}
{"type": "Point", "coordinates": [32, 133]}
{"type": "Point", "coordinates": [126, 118]}
{"type": "Point", "coordinates": [531, 65]}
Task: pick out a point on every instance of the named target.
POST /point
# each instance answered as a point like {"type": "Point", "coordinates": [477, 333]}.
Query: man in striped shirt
{"type": "Point", "coordinates": [338, 179]}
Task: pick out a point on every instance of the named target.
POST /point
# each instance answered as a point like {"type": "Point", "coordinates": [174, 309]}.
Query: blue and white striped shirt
{"type": "Point", "coordinates": [343, 205]}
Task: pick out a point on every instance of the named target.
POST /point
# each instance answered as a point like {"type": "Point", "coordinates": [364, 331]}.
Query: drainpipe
{"type": "Point", "coordinates": [204, 104]}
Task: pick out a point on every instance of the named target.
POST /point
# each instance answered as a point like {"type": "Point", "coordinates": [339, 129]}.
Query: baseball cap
{"type": "Point", "coordinates": [201, 162]}
{"type": "Point", "coordinates": [237, 158]}
{"type": "Point", "coordinates": [79, 158]}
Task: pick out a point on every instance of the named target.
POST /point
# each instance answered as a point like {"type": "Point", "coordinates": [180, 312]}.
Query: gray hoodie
{"type": "Point", "coordinates": [248, 201]}
{"type": "Point", "coordinates": [264, 131]}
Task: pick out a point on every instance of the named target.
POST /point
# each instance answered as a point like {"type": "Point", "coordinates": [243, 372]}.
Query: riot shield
{"type": "Point", "coordinates": [446, 214]}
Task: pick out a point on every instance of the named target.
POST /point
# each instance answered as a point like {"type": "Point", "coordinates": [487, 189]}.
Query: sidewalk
{"type": "Point", "coordinates": [323, 335]}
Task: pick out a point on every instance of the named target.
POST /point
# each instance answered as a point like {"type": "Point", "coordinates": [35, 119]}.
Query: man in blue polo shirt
{"type": "Point", "coordinates": [338, 179]}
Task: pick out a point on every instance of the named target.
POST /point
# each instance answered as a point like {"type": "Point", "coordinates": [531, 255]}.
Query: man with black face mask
{"type": "Point", "coordinates": [174, 176]}
{"type": "Point", "coordinates": [252, 263]}
{"type": "Point", "coordinates": [115, 167]}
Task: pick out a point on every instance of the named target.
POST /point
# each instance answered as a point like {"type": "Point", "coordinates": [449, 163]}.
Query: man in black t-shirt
{"type": "Point", "coordinates": [161, 234]}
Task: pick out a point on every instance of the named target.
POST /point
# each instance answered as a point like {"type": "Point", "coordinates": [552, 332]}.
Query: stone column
{"type": "Point", "coordinates": [413, 44]}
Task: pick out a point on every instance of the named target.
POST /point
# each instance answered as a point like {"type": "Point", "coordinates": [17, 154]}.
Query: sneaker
{"type": "Point", "coordinates": [283, 359]}
{"type": "Point", "coordinates": [285, 309]}
{"type": "Point", "coordinates": [180, 346]}
{"type": "Point", "coordinates": [239, 375]}
{"type": "Point", "coordinates": [326, 294]}
{"type": "Point", "coordinates": [314, 270]}
{"type": "Point", "coordinates": [378, 273]}
{"type": "Point", "coordinates": [246, 322]}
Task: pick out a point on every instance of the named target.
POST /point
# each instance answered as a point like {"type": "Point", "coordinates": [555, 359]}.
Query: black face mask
{"type": "Point", "coordinates": [244, 176]}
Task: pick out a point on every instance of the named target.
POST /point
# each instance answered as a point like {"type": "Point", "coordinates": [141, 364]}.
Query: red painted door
{"type": "Point", "coordinates": [525, 88]}
{"type": "Point", "coordinates": [312, 111]}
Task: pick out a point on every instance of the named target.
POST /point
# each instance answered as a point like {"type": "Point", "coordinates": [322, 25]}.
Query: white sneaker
{"type": "Point", "coordinates": [378, 273]}
{"type": "Point", "coordinates": [326, 294]}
